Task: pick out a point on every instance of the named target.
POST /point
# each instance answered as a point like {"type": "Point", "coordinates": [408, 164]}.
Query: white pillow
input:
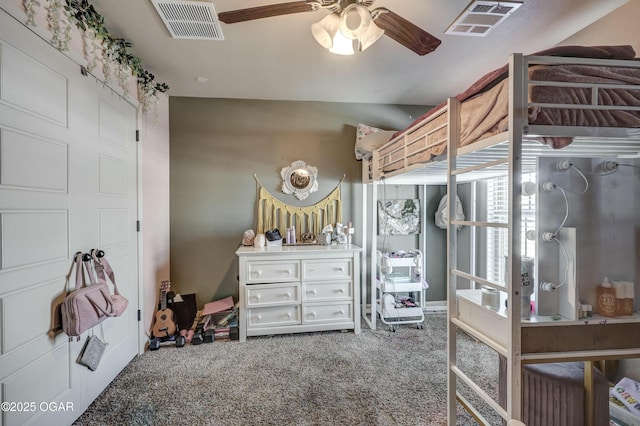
{"type": "Point", "coordinates": [369, 138]}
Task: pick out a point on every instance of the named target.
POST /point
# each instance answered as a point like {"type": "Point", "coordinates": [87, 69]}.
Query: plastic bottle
{"type": "Point", "coordinates": [606, 299]}
{"type": "Point", "coordinates": [630, 289]}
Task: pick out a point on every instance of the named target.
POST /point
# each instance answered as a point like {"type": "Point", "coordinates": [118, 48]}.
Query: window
{"type": "Point", "coordinates": [498, 211]}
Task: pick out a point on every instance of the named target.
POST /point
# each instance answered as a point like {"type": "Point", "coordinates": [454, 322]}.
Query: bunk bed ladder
{"type": "Point", "coordinates": [453, 107]}
{"type": "Point", "coordinates": [517, 122]}
{"type": "Point", "coordinates": [518, 100]}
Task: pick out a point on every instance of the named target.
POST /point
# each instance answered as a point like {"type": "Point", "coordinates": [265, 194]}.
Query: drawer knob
{"type": "Point", "coordinates": [341, 290]}
{"type": "Point", "coordinates": [289, 315]}
{"type": "Point", "coordinates": [259, 317]}
{"type": "Point", "coordinates": [341, 269]}
{"type": "Point", "coordinates": [257, 297]}
{"type": "Point", "coordinates": [341, 313]}
{"type": "Point", "coordinates": [288, 272]}
{"type": "Point", "coordinates": [258, 272]}
{"type": "Point", "coordinates": [313, 291]}
{"type": "Point", "coordinates": [313, 314]}
{"type": "Point", "coordinates": [287, 295]}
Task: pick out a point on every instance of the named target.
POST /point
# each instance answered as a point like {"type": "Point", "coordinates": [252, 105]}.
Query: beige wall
{"type": "Point", "coordinates": [619, 27]}
{"type": "Point", "coordinates": [155, 206]}
{"type": "Point", "coordinates": [216, 147]}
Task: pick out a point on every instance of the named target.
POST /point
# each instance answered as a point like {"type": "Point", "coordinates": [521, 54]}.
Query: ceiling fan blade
{"type": "Point", "coordinates": [404, 32]}
{"type": "Point", "coordinates": [249, 14]}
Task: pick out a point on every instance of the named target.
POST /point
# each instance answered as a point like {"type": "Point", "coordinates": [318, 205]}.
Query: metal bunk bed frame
{"type": "Point", "coordinates": [628, 144]}
{"type": "Point", "coordinates": [511, 153]}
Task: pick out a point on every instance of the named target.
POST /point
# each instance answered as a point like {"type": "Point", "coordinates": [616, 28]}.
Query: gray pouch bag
{"type": "Point", "coordinates": [92, 352]}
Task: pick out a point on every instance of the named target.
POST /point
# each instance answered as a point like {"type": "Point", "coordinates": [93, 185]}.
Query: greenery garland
{"type": "Point", "coordinates": [87, 19]}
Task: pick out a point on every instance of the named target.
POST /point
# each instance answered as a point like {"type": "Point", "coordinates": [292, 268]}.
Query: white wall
{"type": "Point", "coordinates": [155, 206]}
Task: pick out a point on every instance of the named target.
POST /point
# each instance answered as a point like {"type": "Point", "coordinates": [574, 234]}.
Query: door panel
{"type": "Point", "coordinates": [67, 183]}
{"type": "Point", "coordinates": [46, 169]}
{"type": "Point", "coordinates": [30, 85]}
{"type": "Point", "coordinates": [30, 237]}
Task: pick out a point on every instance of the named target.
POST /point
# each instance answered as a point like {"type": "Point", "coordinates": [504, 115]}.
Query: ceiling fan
{"type": "Point", "coordinates": [350, 19]}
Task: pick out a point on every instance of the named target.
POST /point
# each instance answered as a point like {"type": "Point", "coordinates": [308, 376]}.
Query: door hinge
{"type": "Point", "coordinates": [137, 226]}
{"type": "Point", "coordinates": [137, 135]}
{"type": "Point", "coordinates": [139, 315]}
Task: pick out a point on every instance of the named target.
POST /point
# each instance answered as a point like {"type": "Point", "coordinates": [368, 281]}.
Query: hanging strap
{"type": "Point", "coordinates": [91, 333]}
{"type": "Point", "coordinates": [86, 260]}
{"type": "Point", "coordinates": [76, 265]}
{"type": "Point", "coordinates": [102, 267]}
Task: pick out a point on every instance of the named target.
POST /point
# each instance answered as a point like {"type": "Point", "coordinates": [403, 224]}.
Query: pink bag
{"type": "Point", "coordinates": [86, 305]}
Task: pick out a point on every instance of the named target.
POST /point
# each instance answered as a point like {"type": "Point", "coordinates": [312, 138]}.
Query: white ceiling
{"type": "Point", "coordinates": [277, 58]}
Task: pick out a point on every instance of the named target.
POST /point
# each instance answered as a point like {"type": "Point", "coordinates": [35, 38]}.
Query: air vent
{"type": "Point", "coordinates": [190, 19]}
{"type": "Point", "coordinates": [481, 17]}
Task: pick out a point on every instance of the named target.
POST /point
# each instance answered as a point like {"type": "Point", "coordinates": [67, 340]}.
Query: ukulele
{"type": "Point", "coordinates": [163, 324]}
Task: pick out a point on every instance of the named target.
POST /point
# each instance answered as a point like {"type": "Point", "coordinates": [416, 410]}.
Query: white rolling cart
{"type": "Point", "coordinates": [400, 290]}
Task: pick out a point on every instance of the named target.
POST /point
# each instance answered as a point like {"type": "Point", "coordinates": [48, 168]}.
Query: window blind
{"type": "Point", "coordinates": [498, 211]}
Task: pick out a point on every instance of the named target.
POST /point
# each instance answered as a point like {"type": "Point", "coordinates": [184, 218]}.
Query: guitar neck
{"type": "Point", "coordinates": [163, 300]}
{"type": "Point", "coordinates": [164, 288]}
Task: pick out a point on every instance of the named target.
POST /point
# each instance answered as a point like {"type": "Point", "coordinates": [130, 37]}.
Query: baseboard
{"type": "Point", "coordinates": [435, 307]}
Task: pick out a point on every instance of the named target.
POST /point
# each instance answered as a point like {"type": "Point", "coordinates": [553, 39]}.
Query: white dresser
{"type": "Point", "coordinates": [298, 289]}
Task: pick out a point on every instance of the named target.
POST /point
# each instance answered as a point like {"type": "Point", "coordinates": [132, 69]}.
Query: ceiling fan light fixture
{"type": "Point", "coordinates": [325, 30]}
{"type": "Point", "coordinates": [355, 20]}
{"type": "Point", "coordinates": [372, 35]}
{"type": "Point", "coordinates": [342, 45]}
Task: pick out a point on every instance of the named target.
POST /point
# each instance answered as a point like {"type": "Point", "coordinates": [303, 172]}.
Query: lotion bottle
{"type": "Point", "coordinates": [606, 299]}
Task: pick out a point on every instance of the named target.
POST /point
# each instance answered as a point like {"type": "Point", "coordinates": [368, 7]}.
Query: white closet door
{"type": "Point", "coordinates": [67, 183]}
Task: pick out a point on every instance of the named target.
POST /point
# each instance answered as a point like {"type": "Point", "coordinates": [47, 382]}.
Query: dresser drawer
{"type": "Point", "coordinates": [328, 312]}
{"type": "Point", "coordinates": [265, 272]}
{"type": "Point", "coordinates": [326, 269]}
{"type": "Point", "coordinates": [332, 290]}
{"type": "Point", "coordinates": [273, 316]}
{"type": "Point", "coordinates": [272, 294]}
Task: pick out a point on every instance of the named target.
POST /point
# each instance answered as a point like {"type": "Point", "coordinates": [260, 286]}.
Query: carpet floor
{"type": "Point", "coordinates": [328, 378]}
